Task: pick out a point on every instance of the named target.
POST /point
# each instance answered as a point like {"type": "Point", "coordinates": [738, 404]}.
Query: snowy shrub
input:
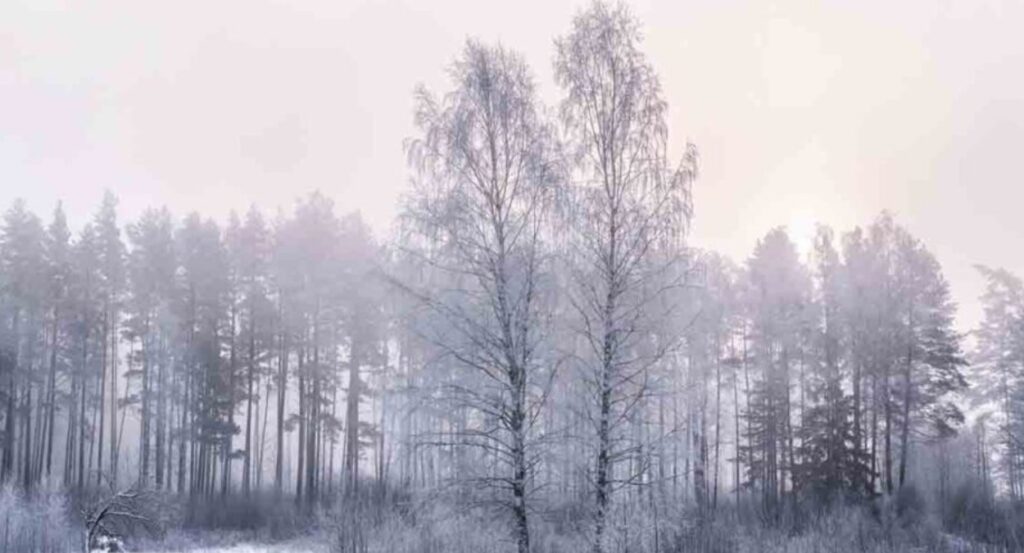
{"type": "Point", "coordinates": [974, 513]}
{"type": "Point", "coordinates": [430, 527]}
{"type": "Point", "coordinates": [38, 522]}
{"type": "Point", "coordinates": [264, 516]}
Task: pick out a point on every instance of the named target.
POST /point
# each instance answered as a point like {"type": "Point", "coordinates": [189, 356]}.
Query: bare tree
{"type": "Point", "coordinates": [119, 513]}
{"type": "Point", "coordinates": [486, 176]}
{"type": "Point", "coordinates": [630, 209]}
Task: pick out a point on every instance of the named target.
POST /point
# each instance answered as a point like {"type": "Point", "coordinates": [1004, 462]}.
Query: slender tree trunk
{"type": "Point", "coordinates": [858, 442]}
{"type": "Point", "coordinates": [282, 387]}
{"type": "Point", "coordinates": [313, 412]}
{"type": "Point", "coordinates": [874, 431]}
{"type": "Point", "coordinates": [69, 443]}
{"type": "Point", "coordinates": [603, 476]}
{"type": "Point", "coordinates": [247, 463]}
{"type": "Point", "coordinates": [102, 407]}
{"type": "Point", "coordinates": [905, 431]}
{"type": "Point", "coordinates": [27, 430]}
{"type": "Point", "coordinates": [83, 381]}
{"type": "Point", "coordinates": [161, 414]}
{"type": "Point", "coordinates": [609, 349]}
{"type": "Point", "coordinates": [738, 436]}
{"type": "Point", "coordinates": [352, 419]}
{"type": "Point", "coordinates": [187, 441]}
{"type": "Point", "coordinates": [12, 356]}
{"type": "Point", "coordinates": [144, 424]}
{"type": "Point", "coordinates": [113, 395]}
{"type": "Point", "coordinates": [718, 423]}
{"type": "Point", "coordinates": [303, 408]}
{"type": "Point", "coordinates": [51, 386]}
{"type": "Point", "coordinates": [887, 406]}
{"type": "Point", "coordinates": [700, 484]}
{"type": "Point", "coordinates": [226, 448]}
{"type": "Point", "coordinates": [263, 433]}
{"type": "Point", "coordinates": [519, 468]}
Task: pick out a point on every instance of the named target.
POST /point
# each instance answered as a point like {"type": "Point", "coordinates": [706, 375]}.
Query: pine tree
{"type": "Point", "coordinates": [249, 251]}
{"type": "Point", "coordinates": [152, 265]}
{"type": "Point", "coordinates": [831, 461]}
{"type": "Point", "coordinates": [59, 274]}
{"type": "Point", "coordinates": [24, 269]}
{"type": "Point", "coordinates": [111, 253]}
{"type": "Point", "coordinates": [930, 355]}
{"type": "Point", "coordinates": [779, 298]}
{"type": "Point", "coordinates": [998, 360]}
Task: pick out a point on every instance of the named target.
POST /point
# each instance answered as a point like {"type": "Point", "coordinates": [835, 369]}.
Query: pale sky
{"type": "Point", "coordinates": [802, 111]}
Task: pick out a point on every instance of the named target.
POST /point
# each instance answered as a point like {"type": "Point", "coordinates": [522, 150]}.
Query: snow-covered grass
{"type": "Point", "coordinates": [292, 546]}
{"type": "Point", "coordinates": [390, 521]}
{"type": "Point", "coordinates": [37, 522]}
{"type": "Point", "coordinates": [438, 524]}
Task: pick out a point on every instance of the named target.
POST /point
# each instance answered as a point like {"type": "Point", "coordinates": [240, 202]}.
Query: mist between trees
{"type": "Point", "coordinates": [537, 339]}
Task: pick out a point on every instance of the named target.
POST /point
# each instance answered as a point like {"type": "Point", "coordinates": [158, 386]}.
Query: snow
{"type": "Point", "coordinates": [286, 547]}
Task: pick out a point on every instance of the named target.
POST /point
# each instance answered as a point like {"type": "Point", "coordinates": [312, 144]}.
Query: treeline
{"type": "Point", "coordinates": [999, 383]}
{"type": "Point", "coordinates": [194, 335]}
{"type": "Point", "coordinates": [538, 331]}
{"type": "Point", "coordinates": [601, 357]}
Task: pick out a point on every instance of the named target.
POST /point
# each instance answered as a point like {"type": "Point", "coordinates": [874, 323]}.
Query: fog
{"type": "Point", "coordinates": [803, 111]}
{"type": "Point", "coordinates": [536, 276]}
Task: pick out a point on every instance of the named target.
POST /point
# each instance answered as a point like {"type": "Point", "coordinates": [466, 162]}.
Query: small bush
{"type": "Point", "coordinates": [428, 525]}
{"type": "Point", "coordinates": [263, 516]}
{"type": "Point", "coordinates": [38, 522]}
{"type": "Point", "coordinates": [974, 513]}
{"type": "Point", "coordinates": [911, 508]}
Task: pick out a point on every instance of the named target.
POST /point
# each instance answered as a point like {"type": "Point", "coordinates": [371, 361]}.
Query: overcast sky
{"type": "Point", "coordinates": [802, 111]}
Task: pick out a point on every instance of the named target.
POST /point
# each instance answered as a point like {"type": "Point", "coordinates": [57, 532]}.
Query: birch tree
{"type": "Point", "coordinates": [629, 208]}
{"type": "Point", "coordinates": [485, 167]}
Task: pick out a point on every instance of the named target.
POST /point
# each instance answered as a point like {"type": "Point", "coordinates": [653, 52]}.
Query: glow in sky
{"type": "Point", "coordinates": [803, 111]}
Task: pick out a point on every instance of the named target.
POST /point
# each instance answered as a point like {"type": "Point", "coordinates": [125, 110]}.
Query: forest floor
{"type": "Point", "coordinates": [411, 523]}
{"type": "Point", "coordinates": [290, 547]}
{"type": "Point", "coordinates": [301, 545]}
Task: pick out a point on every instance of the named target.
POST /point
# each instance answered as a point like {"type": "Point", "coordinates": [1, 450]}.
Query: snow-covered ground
{"type": "Point", "coordinates": [303, 546]}
{"type": "Point", "coordinates": [237, 548]}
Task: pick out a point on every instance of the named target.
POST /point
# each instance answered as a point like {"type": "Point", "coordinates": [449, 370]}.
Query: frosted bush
{"type": "Point", "coordinates": [36, 523]}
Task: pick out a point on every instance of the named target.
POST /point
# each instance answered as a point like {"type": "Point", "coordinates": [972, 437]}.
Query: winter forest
{"type": "Point", "coordinates": [536, 358]}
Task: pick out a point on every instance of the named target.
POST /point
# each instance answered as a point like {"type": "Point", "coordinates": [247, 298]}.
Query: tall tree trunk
{"type": "Point", "coordinates": [718, 422]}
{"type": "Point", "coordinates": [83, 381]}
{"type": "Point", "coordinates": [161, 414]}
{"type": "Point", "coordinates": [247, 462]}
{"type": "Point", "coordinates": [603, 476]}
{"type": "Point", "coordinates": [144, 425]}
{"type": "Point", "coordinates": [303, 408]}
{"type": "Point", "coordinates": [226, 473]}
{"type": "Point", "coordinates": [187, 441]}
{"type": "Point", "coordinates": [102, 407]}
{"type": "Point", "coordinates": [519, 462]}
{"type": "Point", "coordinates": [352, 418]}
{"type": "Point", "coordinates": [858, 442]}
{"type": "Point", "coordinates": [905, 431]}
{"type": "Point", "coordinates": [313, 411]}
{"type": "Point", "coordinates": [282, 387]}
{"type": "Point", "coordinates": [888, 432]}
{"type": "Point", "coordinates": [263, 433]}
{"type": "Point", "coordinates": [12, 361]}
{"type": "Point", "coordinates": [27, 430]}
{"type": "Point", "coordinates": [113, 395]}
{"type": "Point", "coordinates": [738, 447]}
{"type": "Point", "coordinates": [700, 484]}
{"type": "Point", "coordinates": [51, 386]}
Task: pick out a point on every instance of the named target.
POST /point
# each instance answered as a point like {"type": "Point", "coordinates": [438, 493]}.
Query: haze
{"type": "Point", "coordinates": [585, 334]}
{"type": "Point", "coordinates": [803, 111]}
